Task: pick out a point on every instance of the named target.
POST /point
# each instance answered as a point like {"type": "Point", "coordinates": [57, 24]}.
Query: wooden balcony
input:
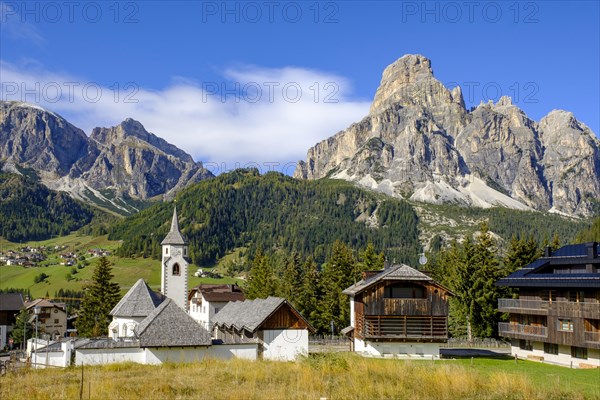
{"type": "Point", "coordinates": [521, 306]}
{"type": "Point", "coordinates": [592, 337]}
{"type": "Point", "coordinates": [405, 327]}
{"type": "Point", "coordinates": [520, 331]}
{"type": "Point", "coordinates": [541, 307]}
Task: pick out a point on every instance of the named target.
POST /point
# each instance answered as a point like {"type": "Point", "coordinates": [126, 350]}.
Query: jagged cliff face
{"type": "Point", "coordinates": [125, 159]}
{"type": "Point", "coordinates": [137, 162]}
{"type": "Point", "coordinates": [38, 139]}
{"type": "Point", "coordinates": [420, 142]}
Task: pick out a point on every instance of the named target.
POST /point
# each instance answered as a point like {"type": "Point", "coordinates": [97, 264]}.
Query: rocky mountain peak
{"type": "Point", "coordinates": [39, 139]}
{"type": "Point", "coordinates": [410, 82]}
{"type": "Point", "coordinates": [419, 142]}
{"type": "Point", "coordinates": [126, 158]}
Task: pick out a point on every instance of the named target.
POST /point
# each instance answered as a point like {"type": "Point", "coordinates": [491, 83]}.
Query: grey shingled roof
{"type": "Point", "coordinates": [174, 236]}
{"type": "Point", "coordinates": [11, 301]}
{"type": "Point", "coordinates": [250, 314]}
{"type": "Point", "coordinates": [169, 326]}
{"type": "Point", "coordinates": [399, 272]}
{"type": "Point", "coordinates": [139, 301]}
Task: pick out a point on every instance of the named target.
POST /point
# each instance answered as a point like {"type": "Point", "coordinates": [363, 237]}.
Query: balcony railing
{"type": "Point", "coordinates": [522, 304]}
{"type": "Point", "coordinates": [593, 337]}
{"type": "Point", "coordinates": [588, 309]}
{"type": "Point", "coordinates": [520, 329]}
{"type": "Point", "coordinates": [406, 327]}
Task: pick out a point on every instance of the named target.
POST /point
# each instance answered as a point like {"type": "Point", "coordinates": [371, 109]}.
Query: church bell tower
{"type": "Point", "coordinates": [174, 267]}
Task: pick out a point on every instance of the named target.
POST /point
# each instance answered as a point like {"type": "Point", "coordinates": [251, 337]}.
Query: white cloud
{"type": "Point", "coordinates": [253, 114]}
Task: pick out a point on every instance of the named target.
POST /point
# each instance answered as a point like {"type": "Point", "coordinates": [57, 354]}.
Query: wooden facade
{"type": "Point", "coordinates": [402, 311]}
{"type": "Point", "coordinates": [558, 306]}
{"type": "Point", "coordinates": [560, 316]}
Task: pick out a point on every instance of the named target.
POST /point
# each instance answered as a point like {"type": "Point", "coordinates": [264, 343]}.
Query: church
{"type": "Point", "coordinates": [152, 328]}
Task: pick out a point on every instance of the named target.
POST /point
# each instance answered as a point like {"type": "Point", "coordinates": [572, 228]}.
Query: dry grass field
{"type": "Point", "coordinates": [331, 376]}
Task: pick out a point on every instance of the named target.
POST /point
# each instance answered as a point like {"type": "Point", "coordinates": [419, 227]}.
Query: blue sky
{"type": "Point", "coordinates": [242, 82]}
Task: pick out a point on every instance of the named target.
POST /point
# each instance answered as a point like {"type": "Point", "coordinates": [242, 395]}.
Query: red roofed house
{"type": "Point", "coordinates": [205, 300]}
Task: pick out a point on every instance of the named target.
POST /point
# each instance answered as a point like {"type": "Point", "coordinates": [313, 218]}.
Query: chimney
{"type": "Point", "coordinates": [548, 251]}
{"type": "Point", "coordinates": [592, 250]}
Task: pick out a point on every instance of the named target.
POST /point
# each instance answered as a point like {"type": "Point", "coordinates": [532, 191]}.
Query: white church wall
{"type": "Point", "coordinates": [109, 356]}
{"type": "Point", "coordinates": [382, 349]}
{"type": "Point", "coordinates": [246, 351]}
{"type": "Point", "coordinates": [285, 344]}
{"type": "Point", "coordinates": [175, 354]}
{"type": "Point", "coordinates": [50, 359]}
{"type": "Point", "coordinates": [124, 326]}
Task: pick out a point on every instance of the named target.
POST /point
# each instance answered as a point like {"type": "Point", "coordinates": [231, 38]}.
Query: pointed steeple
{"type": "Point", "coordinates": [174, 236]}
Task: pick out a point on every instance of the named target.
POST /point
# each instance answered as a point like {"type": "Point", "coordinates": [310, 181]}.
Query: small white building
{"type": "Point", "coordinates": [273, 323]}
{"type": "Point", "coordinates": [206, 300]}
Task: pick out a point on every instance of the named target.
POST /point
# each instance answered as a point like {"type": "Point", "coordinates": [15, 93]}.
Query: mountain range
{"type": "Point", "coordinates": [113, 168]}
{"type": "Point", "coordinates": [419, 142]}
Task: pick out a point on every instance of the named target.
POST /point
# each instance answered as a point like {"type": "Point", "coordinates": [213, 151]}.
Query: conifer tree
{"type": "Point", "coordinates": [371, 261]}
{"type": "Point", "coordinates": [337, 276]}
{"type": "Point", "coordinates": [483, 313]}
{"type": "Point", "coordinates": [309, 292]}
{"type": "Point", "coordinates": [520, 253]}
{"type": "Point", "coordinates": [22, 326]}
{"type": "Point", "coordinates": [261, 281]}
{"type": "Point", "coordinates": [99, 298]}
{"type": "Point", "coordinates": [292, 277]}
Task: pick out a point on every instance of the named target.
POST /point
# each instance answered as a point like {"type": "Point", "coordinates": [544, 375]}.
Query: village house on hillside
{"type": "Point", "coordinates": [398, 312]}
{"type": "Point", "coordinates": [205, 300]}
{"type": "Point", "coordinates": [556, 318]}
{"type": "Point", "coordinates": [273, 323]}
{"type": "Point", "coordinates": [52, 319]}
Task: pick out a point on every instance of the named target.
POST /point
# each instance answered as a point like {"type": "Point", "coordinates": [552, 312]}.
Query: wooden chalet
{"type": "Point", "coordinates": [279, 329]}
{"type": "Point", "coordinates": [556, 318]}
{"type": "Point", "coordinates": [398, 311]}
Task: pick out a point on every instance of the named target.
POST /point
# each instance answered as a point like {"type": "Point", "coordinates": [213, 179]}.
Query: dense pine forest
{"type": "Point", "coordinates": [30, 211]}
{"type": "Point", "coordinates": [274, 212]}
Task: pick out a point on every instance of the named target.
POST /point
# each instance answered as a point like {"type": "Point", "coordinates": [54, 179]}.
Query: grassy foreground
{"type": "Point", "coordinates": [332, 376]}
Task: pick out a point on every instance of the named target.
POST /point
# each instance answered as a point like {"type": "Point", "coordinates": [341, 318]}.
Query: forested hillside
{"type": "Point", "coordinates": [30, 211]}
{"type": "Point", "coordinates": [273, 212]}
{"type": "Point", "coordinates": [591, 234]}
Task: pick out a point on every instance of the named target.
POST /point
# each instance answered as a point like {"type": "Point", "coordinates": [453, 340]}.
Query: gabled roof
{"type": "Point", "coordinates": [218, 292]}
{"type": "Point", "coordinates": [44, 303]}
{"type": "Point", "coordinates": [251, 314]}
{"type": "Point", "coordinates": [174, 236]}
{"type": "Point", "coordinates": [11, 301]}
{"type": "Point", "coordinates": [540, 273]}
{"type": "Point", "coordinates": [139, 301]}
{"type": "Point", "coordinates": [399, 272]}
{"type": "Point", "coordinates": [169, 326]}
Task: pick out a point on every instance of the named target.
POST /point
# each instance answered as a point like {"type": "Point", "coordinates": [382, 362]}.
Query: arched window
{"type": "Point", "coordinates": [176, 270]}
{"type": "Point", "coordinates": [404, 291]}
{"type": "Point", "coordinates": [166, 251]}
